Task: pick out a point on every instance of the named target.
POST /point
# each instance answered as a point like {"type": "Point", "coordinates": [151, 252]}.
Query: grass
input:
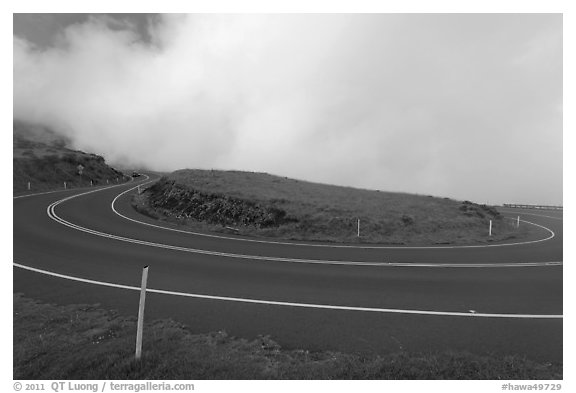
{"type": "Point", "coordinates": [85, 342]}
{"type": "Point", "coordinates": [280, 207]}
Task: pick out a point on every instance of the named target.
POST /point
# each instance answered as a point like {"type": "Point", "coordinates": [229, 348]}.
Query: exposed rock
{"type": "Point", "coordinates": [183, 202]}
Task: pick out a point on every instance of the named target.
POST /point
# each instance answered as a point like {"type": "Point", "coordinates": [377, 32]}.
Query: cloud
{"type": "Point", "coordinates": [435, 104]}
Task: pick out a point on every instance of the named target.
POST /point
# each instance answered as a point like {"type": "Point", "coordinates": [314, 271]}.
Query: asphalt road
{"type": "Point", "coordinates": [497, 299]}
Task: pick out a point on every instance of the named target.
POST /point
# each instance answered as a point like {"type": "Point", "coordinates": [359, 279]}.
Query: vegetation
{"type": "Point", "coordinates": [41, 159]}
{"type": "Point", "coordinates": [85, 342]}
{"type": "Point", "coordinates": [260, 204]}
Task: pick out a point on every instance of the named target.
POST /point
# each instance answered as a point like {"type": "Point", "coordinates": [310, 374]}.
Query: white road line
{"type": "Point", "coordinates": [532, 214]}
{"type": "Point", "coordinates": [52, 214]}
{"type": "Point", "coordinates": [69, 190]}
{"type": "Point", "coordinates": [43, 193]}
{"type": "Point", "coordinates": [291, 304]}
{"type": "Point", "coordinates": [551, 235]}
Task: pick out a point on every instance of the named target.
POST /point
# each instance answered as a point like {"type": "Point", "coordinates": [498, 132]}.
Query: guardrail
{"type": "Point", "coordinates": [543, 207]}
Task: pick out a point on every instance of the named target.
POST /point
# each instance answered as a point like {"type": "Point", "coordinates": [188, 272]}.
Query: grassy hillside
{"type": "Point", "coordinates": [85, 342]}
{"type": "Point", "coordinates": [260, 204]}
{"type": "Point", "coordinates": [41, 157]}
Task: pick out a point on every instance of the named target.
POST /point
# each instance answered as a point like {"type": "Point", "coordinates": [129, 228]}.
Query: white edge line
{"type": "Point", "coordinates": [97, 188]}
{"type": "Point", "coordinates": [532, 214]}
{"type": "Point", "coordinates": [291, 304]}
{"type": "Point", "coordinates": [42, 193]}
{"type": "Point", "coordinates": [52, 214]}
{"type": "Point", "coordinates": [326, 245]}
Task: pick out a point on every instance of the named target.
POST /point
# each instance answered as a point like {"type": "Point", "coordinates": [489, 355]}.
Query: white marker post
{"type": "Point", "coordinates": [518, 222]}
{"type": "Point", "coordinates": [141, 313]}
{"type": "Point", "coordinates": [28, 186]}
{"type": "Point", "coordinates": [358, 227]}
{"type": "Point", "coordinates": [91, 184]}
{"type": "Point", "coordinates": [490, 229]}
{"type": "Point", "coordinates": [64, 185]}
{"type": "Point", "coordinates": [107, 182]}
{"type": "Point", "coordinates": [139, 190]}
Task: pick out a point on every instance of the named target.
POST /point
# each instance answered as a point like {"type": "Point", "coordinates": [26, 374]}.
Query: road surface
{"type": "Point", "coordinates": [89, 246]}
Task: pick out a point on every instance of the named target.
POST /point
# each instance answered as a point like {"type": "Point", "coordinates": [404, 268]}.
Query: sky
{"type": "Point", "coordinates": [467, 106]}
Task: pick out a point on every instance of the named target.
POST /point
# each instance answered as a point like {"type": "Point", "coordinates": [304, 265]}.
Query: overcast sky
{"type": "Point", "coordinates": [463, 106]}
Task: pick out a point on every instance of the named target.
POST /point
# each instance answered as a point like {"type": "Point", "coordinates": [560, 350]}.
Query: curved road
{"type": "Point", "coordinates": [89, 246]}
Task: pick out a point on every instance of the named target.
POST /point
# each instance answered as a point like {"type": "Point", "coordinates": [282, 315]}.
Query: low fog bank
{"type": "Point", "coordinates": [466, 106]}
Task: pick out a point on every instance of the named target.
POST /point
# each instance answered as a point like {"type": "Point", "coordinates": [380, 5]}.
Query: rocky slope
{"type": "Point", "coordinates": [41, 159]}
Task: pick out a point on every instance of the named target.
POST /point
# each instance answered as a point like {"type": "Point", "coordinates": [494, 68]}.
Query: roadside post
{"type": "Point", "coordinates": [518, 222]}
{"type": "Point", "coordinates": [64, 185]}
{"type": "Point", "coordinates": [358, 227]}
{"type": "Point", "coordinates": [141, 313]}
{"type": "Point", "coordinates": [490, 229]}
{"type": "Point", "coordinates": [28, 186]}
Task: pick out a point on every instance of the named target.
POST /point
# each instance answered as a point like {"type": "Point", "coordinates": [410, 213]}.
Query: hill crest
{"type": "Point", "coordinates": [260, 204]}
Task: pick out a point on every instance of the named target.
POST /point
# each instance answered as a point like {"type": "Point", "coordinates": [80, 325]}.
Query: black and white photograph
{"type": "Point", "coordinates": [265, 196]}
